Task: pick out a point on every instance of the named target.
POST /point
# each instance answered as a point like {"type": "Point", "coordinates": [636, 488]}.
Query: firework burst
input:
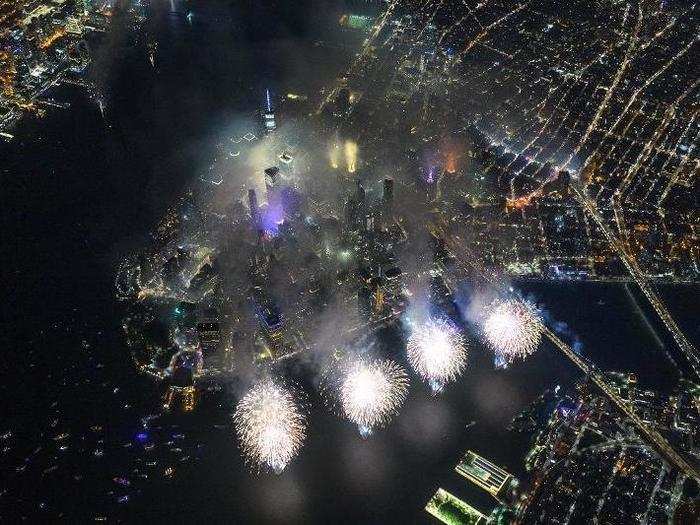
{"type": "Point", "coordinates": [371, 391]}
{"type": "Point", "coordinates": [270, 426]}
{"type": "Point", "coordinates": [513, 329]}
{"type": "Point", "coordinates": [437, 352]}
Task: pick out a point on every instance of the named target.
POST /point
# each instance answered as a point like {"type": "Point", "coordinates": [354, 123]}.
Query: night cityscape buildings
{"type": "Point", "coordinates": [587, 467]}
{"type": "Point", "coordinates": [463, 152]}
{"type": "Point", "coordinates": [44, 45]}
{"type": "Point", "coordinates": [584, 464]}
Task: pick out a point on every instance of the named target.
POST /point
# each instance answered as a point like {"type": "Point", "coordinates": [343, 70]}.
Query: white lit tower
{"type": "Point", "coordinates": [269, 114]}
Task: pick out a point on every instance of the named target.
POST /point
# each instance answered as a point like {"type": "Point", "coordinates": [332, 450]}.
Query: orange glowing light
{"type": "Point", "coordinates": [519, 203]}
{"type": "Point", "coordinates": [450, 162]}
{"type": "Point", "coordinates": [451, 150]}
{"type": "Point", "coordinates": [52, 38]}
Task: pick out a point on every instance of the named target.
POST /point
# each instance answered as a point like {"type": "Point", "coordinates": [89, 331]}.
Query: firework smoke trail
{"type": "Point", "coordinates": [371, 391]}
{"type": "Point", "coordinates": [437, 352]}
{"type": "Point", "coordinates": [269, 425]}
{"type": "Point", "coordinates": [513, 329]}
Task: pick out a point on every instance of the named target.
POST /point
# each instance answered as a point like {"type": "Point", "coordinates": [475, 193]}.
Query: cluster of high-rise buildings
{"type": "Point", "coordinates": [287, 269]}
{"type": "Point", "coordinates": [264, 277]}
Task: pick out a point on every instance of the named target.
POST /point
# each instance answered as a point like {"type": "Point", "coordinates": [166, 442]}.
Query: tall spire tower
{"type": "Point", "coordinates": [268, 114]}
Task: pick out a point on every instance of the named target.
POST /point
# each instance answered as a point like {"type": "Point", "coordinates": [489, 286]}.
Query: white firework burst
{"type": "Point", "coordinates": [513, 329]}
{"type": "Point", "coordinates": [270, 426]}
{"type": "Point", "coordinates": [437, 352]}
{"type": "Point", "coordinates": [371, 391]}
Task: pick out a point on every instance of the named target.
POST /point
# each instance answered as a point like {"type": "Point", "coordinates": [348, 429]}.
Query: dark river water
{"type": "Point", "coordinates": [80, 192]}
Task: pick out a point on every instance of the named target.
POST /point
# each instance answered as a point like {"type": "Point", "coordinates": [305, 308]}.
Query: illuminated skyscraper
{"type": "Point", "coordinates": [268, 114]}
{"type": "Point", "coordinates": [378, 299]}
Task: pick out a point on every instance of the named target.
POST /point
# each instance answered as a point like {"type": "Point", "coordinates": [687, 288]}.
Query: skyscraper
{"type": "Point", "coordinates": [365, 301]}
{"type": "Point", "coordinates": [268, 114]}
{"type": "Point", "coordinates": [253, 205]}
{"type": "Point", "coordinates": [377, 219]}
{"type": "Point", "coordinates": [360, 193]}
{"type": "Point", "coordinates": [272, 179]}
{"type": "Point", "coordinates": [388, 194]}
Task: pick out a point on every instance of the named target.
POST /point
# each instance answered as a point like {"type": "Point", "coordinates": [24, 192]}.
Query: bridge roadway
{"type": "Point", "coordinates": [646, 432]}
{"type": "Point", "coordinates": [689, 351]}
